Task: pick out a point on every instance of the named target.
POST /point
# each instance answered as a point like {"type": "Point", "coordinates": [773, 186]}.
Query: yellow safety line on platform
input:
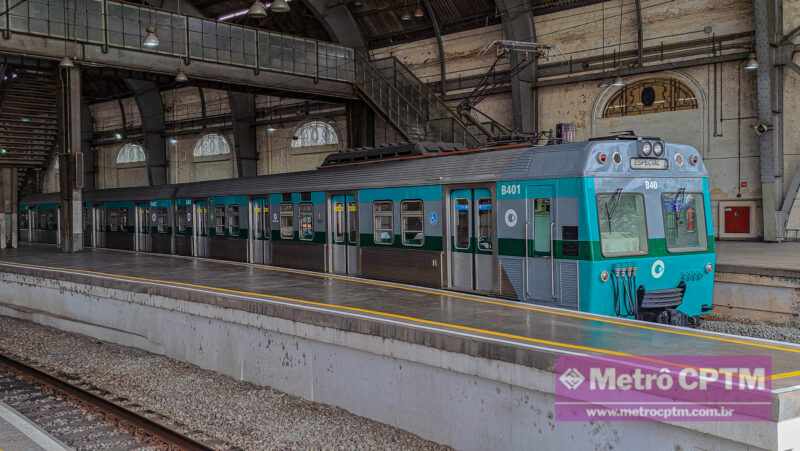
{"type": "Point", "coordinates": [470, 329]}
{"type": "Point", "coordinates": [510, 304]}
{"type": "Point", "coordinates": [521, 306]}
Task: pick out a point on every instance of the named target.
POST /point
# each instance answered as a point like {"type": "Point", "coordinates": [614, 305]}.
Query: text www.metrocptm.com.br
{"type": "Point", "coordinates": [660, 412]}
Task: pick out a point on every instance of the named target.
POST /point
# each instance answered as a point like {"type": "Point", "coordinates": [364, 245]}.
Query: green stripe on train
{"type": "Point", "coordinates": [589, 250]}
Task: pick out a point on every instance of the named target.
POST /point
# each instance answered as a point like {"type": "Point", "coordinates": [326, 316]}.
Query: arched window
{"type": "Point", "coordinates": [131, 153]}
{"type": "Point", "coordinates": [653, 95]}
{"type": "Point", "coordinates": [210, 145]}
{"type": "Point", "coordinates": [315, 133]}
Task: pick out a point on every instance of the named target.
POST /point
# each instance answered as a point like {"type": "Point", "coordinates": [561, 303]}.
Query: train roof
{"type": "Point", "coordinates": [576, 159]}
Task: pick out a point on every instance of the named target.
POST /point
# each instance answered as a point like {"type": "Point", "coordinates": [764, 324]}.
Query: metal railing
{"type": "Point", "coordinates": [121, 25]}
{"type": "Point", "coordinates": [408, 103]}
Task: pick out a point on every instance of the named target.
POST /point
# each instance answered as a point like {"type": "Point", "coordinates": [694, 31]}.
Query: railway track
{"type": "Point", "coordinates": [84, 417]}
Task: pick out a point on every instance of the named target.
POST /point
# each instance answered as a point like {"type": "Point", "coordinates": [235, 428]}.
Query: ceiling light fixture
{"type": "Point", "coordinates": [151, 39]}
{"type": "Point", "coordinates": [280, 6]}
{"type": "Point", "coordinates": [181, 77]}
{"type": "Point", "coordinates": [405, 17]}
{"type": "Point", "coordinates": [257, 10]}
{"type": "Point", "coordinates": [618, 82]}
{"type": "Point", "coordinates": [66, 62]}
{"type": "Point", "coordinates": [752, 63]}
{"type": "Point", "coordinates": [419, 13]}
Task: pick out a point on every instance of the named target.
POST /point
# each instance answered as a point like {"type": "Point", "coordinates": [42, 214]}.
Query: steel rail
{"type": "Point", "coordinates": [132, 418]}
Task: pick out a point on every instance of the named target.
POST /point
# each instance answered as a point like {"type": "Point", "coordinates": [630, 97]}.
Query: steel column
{"type": "Point", "coordinates": [8, 207]}
{"type": "Point", "coordinates": [245, 143]}
{"type": "Point", "coordinates": [148, 99]}
{"type": "Point", "coordinates": [70, 159]}
{"type": "Point", "coordinates": [518, 25]}
{"type": "Point", "coordinates": [768, 22]}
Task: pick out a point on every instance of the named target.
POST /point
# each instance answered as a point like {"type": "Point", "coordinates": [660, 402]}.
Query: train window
{"type": "Point", "coordinates": [123, 219]}
{"type": "Point", "coordinates": [162, 219]}
{"type": "Point", "coordinates": [623, 227]}
{"type": "Point", "coordinates": [485, 225]}
{"type": "Point", "coordinates": [684, 221]}
{"type": "Point", "coordinates": [462, 224]}
{"type": "Point", "coordinates": [23, 220]}
{"type": "Point", "coordinates": [51, 221]}
{"type": "Point", "coordinates": [233, 220]}
{"type": "Point", "coordinates": [306, 222]}
{"type": "Point", "coordinates": [184, 219]}
{"type": "Point", "coordinates": [338, 222]}
{"type": "Point", "coordinates": [541, 226]}
{"type": "Point", "coordinates": [219, 220]}
{"type": "Point", "coordinates": [384, 222]}
{"type": "Point", "coordinates": [352, 222]}
{"type": "Point", "coordinates": [287, 221]}
{"type": "Point", "coordinates": [411, 213]}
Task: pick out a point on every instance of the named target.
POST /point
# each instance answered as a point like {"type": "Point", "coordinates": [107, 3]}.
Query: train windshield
{"type": "Point", "coordinates": [684, 221]}
{"type": "Point", "coordinates": [623, 227]}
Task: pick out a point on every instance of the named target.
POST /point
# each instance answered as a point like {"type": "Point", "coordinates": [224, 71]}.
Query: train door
{"type": "Point", "coordinates": [143, 222]}
{"type": "Point", "coordinates": [184, 221]}
{"type": "Point", "coordinates": [473, 258]}
{"type": "Point", "coordinates": [100, 216]}
{"type": "Point", "coordinates": [260, 237]}
{"type": "Point", "coordinates": [540, 261]}
{"type": "Point", "coordinates": [200, 235]}
{"type": "Point", "coordinates": [344, 234]}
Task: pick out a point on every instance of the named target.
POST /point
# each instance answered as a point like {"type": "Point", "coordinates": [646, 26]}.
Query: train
{"type": "Point", "coordinates": [618, 226]}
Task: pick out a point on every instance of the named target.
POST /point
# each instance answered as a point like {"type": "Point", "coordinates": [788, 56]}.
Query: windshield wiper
{"type": "Point", "coordinates": [680, 198]}
{"type": "Point", "coordinates": [613, 203]}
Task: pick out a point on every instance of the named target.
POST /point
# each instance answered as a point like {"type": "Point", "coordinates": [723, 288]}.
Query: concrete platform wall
{"type": "Point", "coordinates": [757, 297]}
{"type": "Point", "coordinates": [466, 402]}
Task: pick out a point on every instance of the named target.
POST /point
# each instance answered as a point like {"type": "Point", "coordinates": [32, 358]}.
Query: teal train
{"type": "Point", "coordinates": [616, 226]}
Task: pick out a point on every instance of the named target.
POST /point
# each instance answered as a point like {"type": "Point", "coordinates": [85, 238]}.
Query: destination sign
{"type": "Point", "coordinates": [649, 163]}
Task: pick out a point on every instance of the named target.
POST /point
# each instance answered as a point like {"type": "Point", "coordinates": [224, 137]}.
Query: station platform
{"type": "Point", "coordinates": [489, 337]}
{"type": "Point", "coordinates": [545, 331]}
{"type": "Point", "coordinates": [758, 281]}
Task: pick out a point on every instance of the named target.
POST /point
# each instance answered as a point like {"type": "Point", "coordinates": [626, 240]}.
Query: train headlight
{"type": "Point", "coordinates": [604, 276]}
{"type": "Point", "coordinates": [693, 160]}
{"type": "Point", "coordinates": [658, 149]}
{"type": "Point", "coordinates": [647, 148]}
{"type": "Point", "coordinates": [709, 267]}
{"type": "Point", "coordinates": [679, 159]}
{"type": "Point", "coordinates": [602, 158]}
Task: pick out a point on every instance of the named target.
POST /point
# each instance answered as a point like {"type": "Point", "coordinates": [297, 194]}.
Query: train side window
{"type": "Point", "coordinates": [352, 222]}
{"type": "Point", "coordinates": [461, 224]}
{"type": "Point", "coordinates": [184, 219]}
{"type": "Point", "coordinates": [287, 221]}
{"type": "Point", "coordinates": [113, 220]}
{"type": "Point", "coordinates": [123, 219]}
{"type": "Point", "coordinates": [411, 223]}
{"type": "Point", "coordinates": [233, 220]}
{"type": "Point", "coordinates": [542, 238]}
{"type": "Point", "coordinates": [219, 220]}
{"type": "Point", "coordinates": [485, 225]}
{"type": "Point", "coordinates": [306, 222]}
{"type": "Point", "coordinates": [338, 222]}
{"type": "Point", "coordinates": [163, 221]}
{"type": "Point", "coordinates": [384, 221]}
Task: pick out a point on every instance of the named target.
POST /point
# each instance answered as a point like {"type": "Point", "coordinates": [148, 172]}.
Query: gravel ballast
{"type": "Point", "coordinates": [753, 329]}
{"type": "Point", "coordinates": [244, 415]}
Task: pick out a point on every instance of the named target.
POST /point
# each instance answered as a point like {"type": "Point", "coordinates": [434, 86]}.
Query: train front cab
{"type": "Point", "coordinates": [652, 246]}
